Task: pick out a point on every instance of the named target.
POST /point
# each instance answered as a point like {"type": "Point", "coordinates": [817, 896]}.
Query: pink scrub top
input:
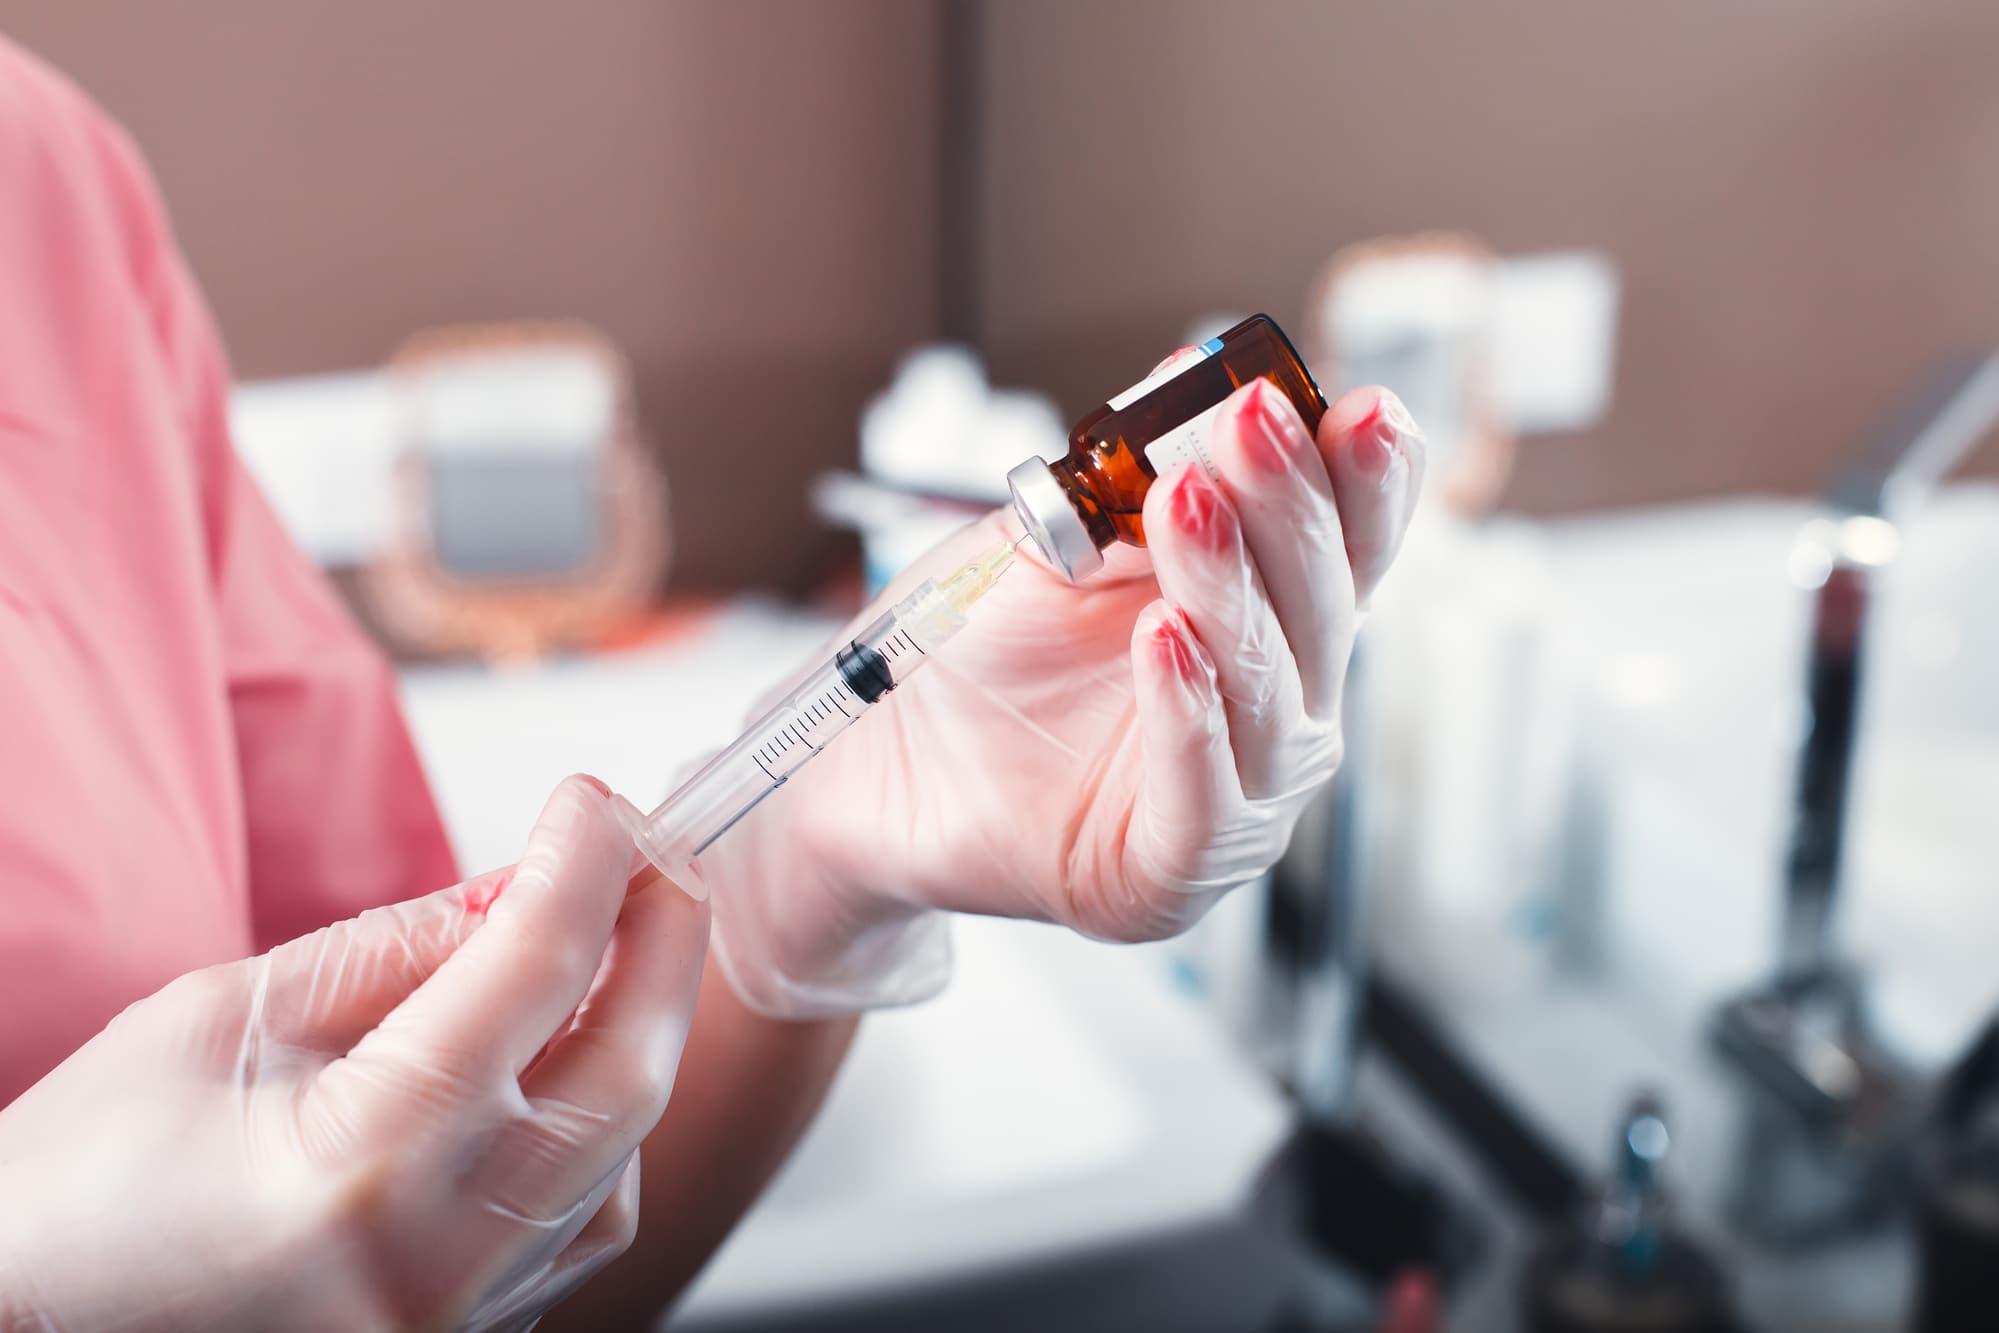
{"type": "Point", "coordinates": [200, 756]}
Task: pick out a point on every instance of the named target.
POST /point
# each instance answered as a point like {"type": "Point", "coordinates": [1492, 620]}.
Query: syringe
{"type": "Point", "coordinates": [805, 721]}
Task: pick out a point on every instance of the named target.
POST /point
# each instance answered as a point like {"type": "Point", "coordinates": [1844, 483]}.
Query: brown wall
{"type": "Point", "coordinates": [741, 194]}
{"type": "Point", "coordinates": [1804, 195]}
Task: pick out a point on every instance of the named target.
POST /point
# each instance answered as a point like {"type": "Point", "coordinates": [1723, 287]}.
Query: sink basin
{"type": "Point", "coordinates": [1063, 1097]}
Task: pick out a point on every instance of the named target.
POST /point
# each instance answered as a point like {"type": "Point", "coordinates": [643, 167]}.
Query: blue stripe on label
{"type": "Point", "coordinates": [1211, 346]}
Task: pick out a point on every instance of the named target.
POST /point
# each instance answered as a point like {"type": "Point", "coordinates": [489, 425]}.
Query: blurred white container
{"type": "Point", "coordinates": [1469, 784]}
{"type": "Point", "coordinates": [1467, 683]}
{"type": "Point", "coordinates": [935, 449]}
{"type": "Point", "coordinates": [323, 449]}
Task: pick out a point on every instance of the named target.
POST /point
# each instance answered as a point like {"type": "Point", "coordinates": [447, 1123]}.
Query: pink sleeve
{"type": "Point", "coordinates": [337, 814]}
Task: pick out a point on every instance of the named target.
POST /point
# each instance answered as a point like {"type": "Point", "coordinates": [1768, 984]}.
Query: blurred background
{"type": "Point", "coordinates": [766, 205]}
{"type": "Point", "coordinates": [1574, 901]}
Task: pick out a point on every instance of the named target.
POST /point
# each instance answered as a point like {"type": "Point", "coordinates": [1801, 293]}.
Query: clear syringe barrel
{"type": "Point", "coordinates": [806, 720]}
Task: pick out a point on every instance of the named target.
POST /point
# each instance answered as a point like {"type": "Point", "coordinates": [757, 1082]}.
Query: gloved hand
{"type": "Point", "coordinates": [1112, 756]}
{"type": "Point", "coordinates": [423, 1117]}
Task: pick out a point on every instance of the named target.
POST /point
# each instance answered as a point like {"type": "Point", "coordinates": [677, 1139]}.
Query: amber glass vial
{"type": "Point", "coordinates": [1078, 505]}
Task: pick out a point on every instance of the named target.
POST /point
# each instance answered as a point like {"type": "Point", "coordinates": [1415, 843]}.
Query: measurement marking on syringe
{"type": "Point", "coordinates": [864, 671]}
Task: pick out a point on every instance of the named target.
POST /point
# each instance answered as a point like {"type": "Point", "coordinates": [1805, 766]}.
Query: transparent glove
{"type": "Point", "coordinates": [1112, 756]}
{"type": "Point", "coordinates": [423, 1117]}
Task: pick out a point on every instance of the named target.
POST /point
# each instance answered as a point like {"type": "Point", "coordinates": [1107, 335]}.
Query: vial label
{"type": "Point", "coordinates": [1166, 372]}
{"type": "Point", "coordinates": [1186, 443]}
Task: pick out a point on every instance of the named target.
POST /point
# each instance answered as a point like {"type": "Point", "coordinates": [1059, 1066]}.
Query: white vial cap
{"type": "Point", "coordinates": [1052, 521]}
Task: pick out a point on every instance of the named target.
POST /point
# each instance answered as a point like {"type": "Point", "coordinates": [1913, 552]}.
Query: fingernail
{"type": "Point", "coordinates": [603, 788]}
{"type": "Point", "coordinates": [1199, 512]}
{"type": "Point", "coordinates": [1179, 652]}
{"type": "Point", "coordinates": [1271, 428]}
{"type": "Point", "coordinates": [1377, 436]}
{"type": "Point", "coordinates": [1175, 654]}
{"type": "Point", "coordinates": [479, 898]}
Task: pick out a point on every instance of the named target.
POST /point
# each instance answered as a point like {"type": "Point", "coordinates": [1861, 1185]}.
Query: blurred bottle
{"type": "Point", "coordinates": [1094, 497]}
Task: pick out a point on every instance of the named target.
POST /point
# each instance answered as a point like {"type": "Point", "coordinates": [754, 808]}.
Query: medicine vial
{"type": "Point", "coordinates": [1076, 506]}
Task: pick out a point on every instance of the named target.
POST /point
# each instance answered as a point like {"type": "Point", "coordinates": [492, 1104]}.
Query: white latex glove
{"type": "Point", "coordinates": [422, 1117]}
{"type": "Point", "coordinates": [1112, 756]}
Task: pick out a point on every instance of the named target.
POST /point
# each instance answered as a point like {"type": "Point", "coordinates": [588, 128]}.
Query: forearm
{"type": "Point", "coordinates": [748, 1087]}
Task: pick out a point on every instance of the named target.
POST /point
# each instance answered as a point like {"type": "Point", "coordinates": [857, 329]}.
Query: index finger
{"type": "Point", "coordinates": [494, 1003]}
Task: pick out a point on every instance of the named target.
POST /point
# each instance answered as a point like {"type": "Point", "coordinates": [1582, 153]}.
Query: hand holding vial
{"type": "Point", "coordinates": [1113, 754]}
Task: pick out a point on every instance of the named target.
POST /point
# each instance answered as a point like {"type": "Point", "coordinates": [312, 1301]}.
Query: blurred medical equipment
{"type": "Point", "coordinates": [1624, 1267]}
{"type": "Point", "coordinates": [1837, 559]}
{"type": "Point", "coordinates": [1483, 349]}
{"type": "Point", "coordinates": [1806, 1038]}
{"type": "Point", "coordinates": [529, 517]}
{"type": "Point", "coordinates": [323, 449]}
{"type": "Point", "coordinates": [934, 449]}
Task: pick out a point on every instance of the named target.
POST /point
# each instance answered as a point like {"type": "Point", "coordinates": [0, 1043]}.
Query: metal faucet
{"type": "Point", "coordinates": [1804, 1037]}
{"type": "Point", "coordinates": [1838, 557]}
